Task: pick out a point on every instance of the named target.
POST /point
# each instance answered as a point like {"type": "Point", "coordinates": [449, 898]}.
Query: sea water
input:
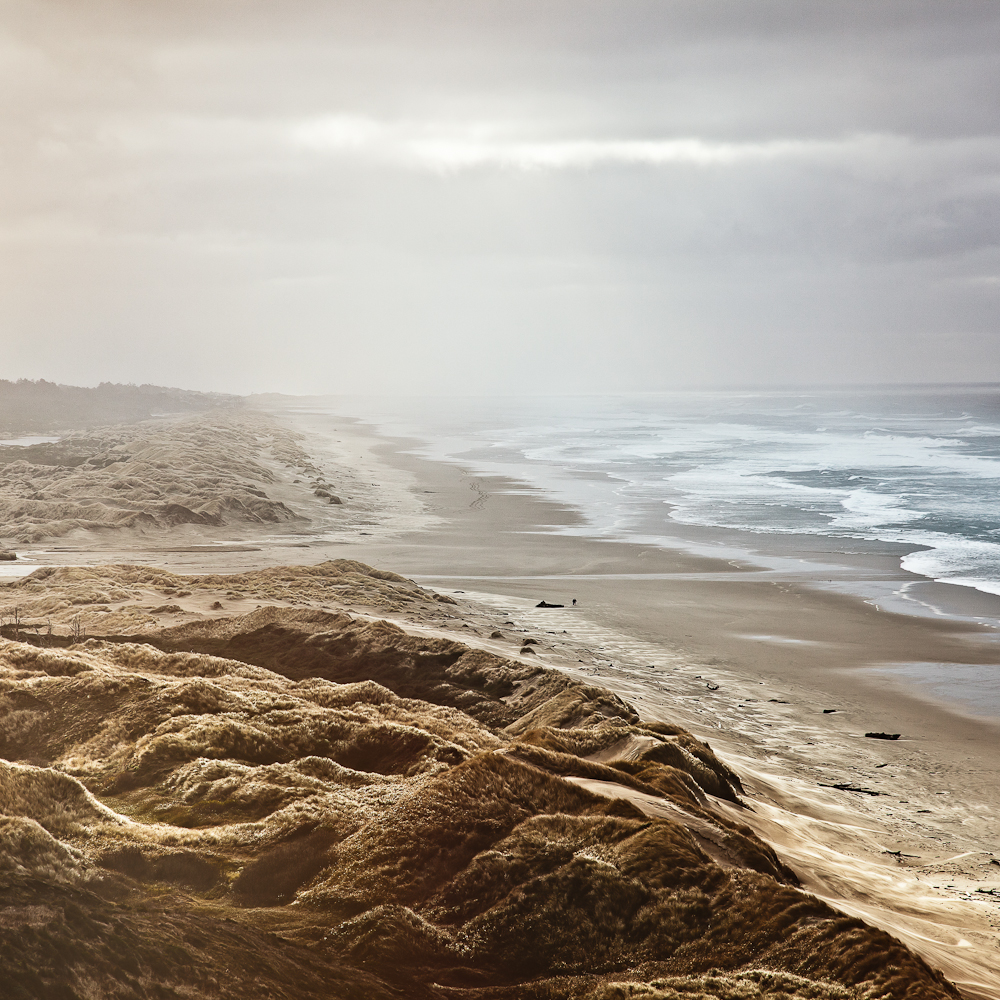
{"type": "Point", "coordinates": [911, 472]}
{"type": "Point", "coordinates": [917, 466]}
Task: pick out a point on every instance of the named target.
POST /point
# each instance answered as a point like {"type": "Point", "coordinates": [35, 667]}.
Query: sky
{"type": "Point", "coordinates": [507, 197]}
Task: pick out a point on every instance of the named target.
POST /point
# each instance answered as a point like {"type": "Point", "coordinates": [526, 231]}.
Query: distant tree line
{"type": "Point", "coordinates": [36, 406]}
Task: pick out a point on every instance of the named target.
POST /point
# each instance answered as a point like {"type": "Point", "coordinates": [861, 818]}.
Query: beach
{"type": "Point", "coordinates": [781, 651]}
{"type": "Point", "coordinates": [779, 674]}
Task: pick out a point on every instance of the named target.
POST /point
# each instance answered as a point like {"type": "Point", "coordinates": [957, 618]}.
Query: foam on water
{"type": "Point", "coordinates": [965, 562]}
{"type": "Point", "coordinates": [913, 466]}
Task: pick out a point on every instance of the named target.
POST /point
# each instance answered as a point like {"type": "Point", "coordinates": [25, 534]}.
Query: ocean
{"type": "Point", "coordinates": [784, 480]}
{"type": "Point", "coordinates": [913, 466]}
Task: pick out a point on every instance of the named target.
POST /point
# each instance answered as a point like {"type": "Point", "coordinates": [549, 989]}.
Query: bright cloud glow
{"type": "Point", "coordinates": [444, 148]}
{"type": "Point", "coordinates": [333, 132]}
{"type": "Point", "coordinates": [458, 154]}
{"type": "Point", "coordinates": [451, 147]}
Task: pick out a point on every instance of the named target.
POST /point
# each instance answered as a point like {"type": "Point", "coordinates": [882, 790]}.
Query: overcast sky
{"type": "Point", "coordinates": [453, 196]}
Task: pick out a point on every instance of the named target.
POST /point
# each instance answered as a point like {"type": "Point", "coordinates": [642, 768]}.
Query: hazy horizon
{"type": "Point", "coordinates": [503, 199]}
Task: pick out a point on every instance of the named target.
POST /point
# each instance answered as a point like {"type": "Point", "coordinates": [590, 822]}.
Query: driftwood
{"type": "Point", "coordinates": [848, 787]}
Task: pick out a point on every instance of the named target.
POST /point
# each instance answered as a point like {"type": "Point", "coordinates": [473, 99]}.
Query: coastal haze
{"type": "Point", "coordinates": [518, 197]}
{"type": "Point", "coordinates": [457, 630]}
{"type": "Point", "coordinates": [276, 744]}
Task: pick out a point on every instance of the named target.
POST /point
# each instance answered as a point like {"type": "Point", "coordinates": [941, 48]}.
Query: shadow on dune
{"type": "Point", "coordinates": [293, 803]}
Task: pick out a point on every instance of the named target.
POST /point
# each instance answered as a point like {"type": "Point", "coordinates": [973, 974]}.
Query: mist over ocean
{"type": "Point", "coordinates": [918, 466]}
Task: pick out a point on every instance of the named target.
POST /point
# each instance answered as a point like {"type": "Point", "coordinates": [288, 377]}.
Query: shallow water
{"type": "Point", "coordinates": [974, 688]}
{"type": "Point", "coordinates": [920, 467]}
{"type": "Point", "coordinates": [16, 569]}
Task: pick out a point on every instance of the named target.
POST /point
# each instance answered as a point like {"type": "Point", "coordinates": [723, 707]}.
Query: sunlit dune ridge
{"type": "Point", "coordinates": [298, 802]}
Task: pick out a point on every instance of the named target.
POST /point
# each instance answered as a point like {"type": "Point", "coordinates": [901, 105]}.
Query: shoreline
{"type": "Point", "coordinates": [851, 560]}
{"type": "Point", "coordinates": [779, 651]}
{"type": "Point", "coordinates": [541, 556]}
{"type": "Point", "coordinates": [808, 648]}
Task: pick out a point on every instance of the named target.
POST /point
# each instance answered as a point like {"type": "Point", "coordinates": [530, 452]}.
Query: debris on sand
{"type": "Point", "coordinates": [849, 787]}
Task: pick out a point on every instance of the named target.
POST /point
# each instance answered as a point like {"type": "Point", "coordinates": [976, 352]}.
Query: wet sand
{"type": "Point", "coordinates": [663, 627]}
{"type": "Point", "coordinates": [746, 656]}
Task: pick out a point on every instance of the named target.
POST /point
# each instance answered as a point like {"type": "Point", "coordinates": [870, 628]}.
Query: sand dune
{"type": "Point", "coordinates": [223, 481]}
{"type": "Point", "coordinates": [328, 781]}
{"type": "Point", "coordinates": [202, 470]}
{"type": "Point", "coordinates": [293, 800]}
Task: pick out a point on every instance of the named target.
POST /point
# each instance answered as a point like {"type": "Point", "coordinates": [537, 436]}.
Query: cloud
{"type": "Point", "coordinates": [959, 168]}
{"type": "Point", "coordinates": [626, 194]}
{"type": "Point", "coordinates": [431, 146]}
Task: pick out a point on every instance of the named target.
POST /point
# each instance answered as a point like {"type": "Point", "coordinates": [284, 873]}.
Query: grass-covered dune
{"type": "Point", "coordinates": [297, 802]}
{"type": "Point", "coordinates": [208, 470]}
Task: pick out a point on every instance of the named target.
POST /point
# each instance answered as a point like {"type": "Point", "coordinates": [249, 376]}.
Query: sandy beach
{"type": "Point", "coordinates": [500, 500]}
{"type": "Point", "coordinates": [798, 687]}
{"type": "Point", "coordinates": [779, 676]}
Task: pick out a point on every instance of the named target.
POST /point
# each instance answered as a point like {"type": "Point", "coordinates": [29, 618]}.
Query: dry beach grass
{"type": "Point", "coordinates": [302, 802]}
{"type": "Point", "coordinates": [199, 471]}
{"type": "Point", "coordinates": [324, 780]}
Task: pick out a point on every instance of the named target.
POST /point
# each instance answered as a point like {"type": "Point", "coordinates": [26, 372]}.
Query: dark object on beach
{"type": "Point", "coordinates": [993, 861]}
{"type": "Point", "coordinates": [882, 736]}
{"type": "Point", "coordinates": [215, 606]}
{"type": "Point", "coordinates": [829, 711]}
{"type": "Point", "coordinates": [545, 604]}
{"type": "Point", "coordinates": [712, 687]}
{"type": "Point", "coordinates": [529, 642]}
{"type": "Point", "coordinates": [527, 649]}
{"type": "Point", "coordinates": [777, 701]}
{"type": "Point", "coordinates": [900, 854]}
{"type": "Point", "coordinates": [848, 787]}
{"type": "Point", "coordinates": [886, 764]}
{"type": "Point", "coordinates": [574, 602]}
{"type": "Point", "coordinates": [496, 635]}
{"type": "Point", "coordinates": [7, 555]}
